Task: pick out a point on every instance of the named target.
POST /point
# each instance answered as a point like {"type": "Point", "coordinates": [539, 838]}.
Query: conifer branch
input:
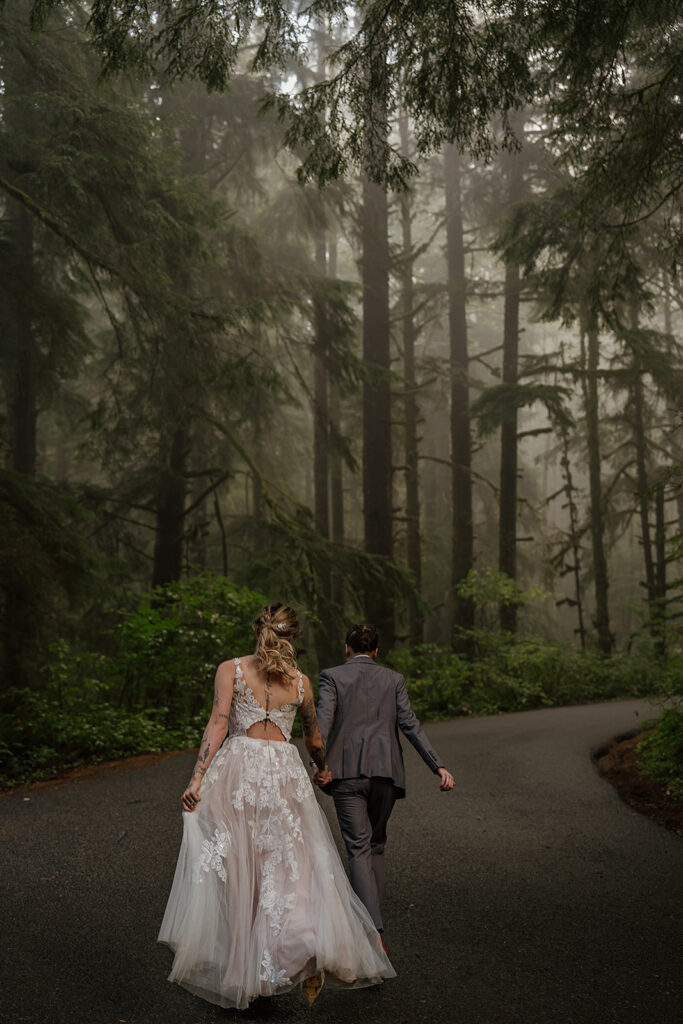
{"type": "Point", "coordinates": [56, 226]}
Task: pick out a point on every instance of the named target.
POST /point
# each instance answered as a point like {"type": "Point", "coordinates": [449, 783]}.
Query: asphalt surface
{"type": "Point", "coordinates": [529, 894]}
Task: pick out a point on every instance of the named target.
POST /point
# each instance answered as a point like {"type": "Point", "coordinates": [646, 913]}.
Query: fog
{"type": "Point", "coordinates": [366, 401]}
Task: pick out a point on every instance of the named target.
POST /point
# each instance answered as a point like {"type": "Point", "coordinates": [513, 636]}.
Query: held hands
{"type": "Point", "coordinates": [447, 780]}
{"type": "Point", "coordinates": [322, 776]}
{"type": "Point", "coordinates": [191, 797]}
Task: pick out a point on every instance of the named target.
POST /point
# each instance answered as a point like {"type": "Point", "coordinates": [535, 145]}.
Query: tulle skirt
{"type": "Point", "coordinates": [260, 899]}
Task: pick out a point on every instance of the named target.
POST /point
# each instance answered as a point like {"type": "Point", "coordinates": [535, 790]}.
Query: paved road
{"type": "Point", "coordinates": [530, 894]}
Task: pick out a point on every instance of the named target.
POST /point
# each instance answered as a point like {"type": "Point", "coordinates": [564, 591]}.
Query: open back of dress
{"type": "Point", "coordinates": [246, 711]}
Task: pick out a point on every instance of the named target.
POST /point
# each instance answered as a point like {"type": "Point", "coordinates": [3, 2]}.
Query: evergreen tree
{"type": "Point", "coordinates": [461, 453]}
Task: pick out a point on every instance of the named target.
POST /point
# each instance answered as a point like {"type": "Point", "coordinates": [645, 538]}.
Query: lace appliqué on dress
{"type": "Point", "coordinates": [246, 710]}
{"type": "Point", "coordinates": [276, 836]}
{"type": "Point", "coordinates": [214, 769]}
{"type": "Point", "coordinates": [214, 852]}
{"type": "Point", "coordinates": [268, 972]}
{"type": "Point", "coordinates": [275, 828]}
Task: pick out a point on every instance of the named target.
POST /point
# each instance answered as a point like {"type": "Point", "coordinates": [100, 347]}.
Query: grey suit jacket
{"type": "Point", "coordinates": [361, 707]}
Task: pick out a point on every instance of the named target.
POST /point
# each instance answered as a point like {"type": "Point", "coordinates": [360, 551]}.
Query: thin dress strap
{"type": "Point", "coordinates": [300, 687]}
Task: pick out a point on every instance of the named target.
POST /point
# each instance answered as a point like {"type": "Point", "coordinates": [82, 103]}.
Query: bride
{"type": "Point", "coordinates": [260, 902]}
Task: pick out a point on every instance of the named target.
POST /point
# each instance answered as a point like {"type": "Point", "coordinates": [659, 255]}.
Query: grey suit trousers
{"type": "Point", "coordinates": [363, 808]}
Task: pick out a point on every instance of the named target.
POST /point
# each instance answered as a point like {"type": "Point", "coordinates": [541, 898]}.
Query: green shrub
{"type": "Point", "coordinates": [661, 754]}
{"type": "Point", "coordinates": [509, 673]}
{"type": "Point", "coordinates": [437, 679]}
{"type": "Point", "coordinates": [154, 694]}
{"type": "Point", "coordinates": [153, 691]}
{"type": "Point", "coordinates": [173, 642]}
{"type": "Point", "coordinates": [47, 737]}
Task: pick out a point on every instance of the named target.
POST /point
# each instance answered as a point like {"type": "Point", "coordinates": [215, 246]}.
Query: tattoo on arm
{"type": "Point", "coordinates": [203, 755]}
{"type": "Point", "coordinates": [318, 755]}
{"type": "Point", "coordinates": [213, 733]}
{"type": "Point", "coordinates": [311, 731]}
{"type": "Point", "coordinates": [308, 719]}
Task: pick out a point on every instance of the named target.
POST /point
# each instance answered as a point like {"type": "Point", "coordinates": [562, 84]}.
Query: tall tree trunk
{"type": "Point", "coordinates": [676, 446]}
{"type": "Point", "coordinates": [336, 470]}
{"type": "Point", "coordinates": [61, 461]}
{"type": "Point", "coordinates": [22, 396]}
{"type": "Point", "coordinates": [411, 407]}
{"type": "Point", "coordinates": [196, 554]}
{"type": "Point", "coordinates": [257, 502]}
{"type": "Point", "coordinates": [591, 359]}
{"type": "Point", "coordinates": [638, 411]}
{"type": "Point", "coordinates": [321, 416]}
{"type": "Point", "coordinates": [21, 624]}
{"type": "Point", "coordinates": [19, 84]}
{"type": "Point", "coordinates": [659, 610]}
{"type": "Point", "coordinates": [326, 643]}
{"type": "Point", "coordinates": [640, 441]}
{"type": "Point", "coordinates": [461, 447]}
{"type": "Point", "coordinates": [336, 462]}
{"type": "Point", "coordinates": [199, 517]}
{"type": "Point", "coordinates": [377, 446]}
{"type": "Point", "coordinates": [221, 529]}
{"type": "Point", "coordinates": [435, 480]}
{"type": "Point", "coordinates": [507, 524]}
{"type": "Point", "coordinates": [321, 419]}
{"type": "Point", "coordinates": [507, 529]}
{"type": "Point", "coordinates": [336, 465]}
{"type": "Point", "coordinates": [170, 513]}
{"type": "Point", "coordinates": [171, 494]}
{"type": "Point", "coordinates": [574, 541]}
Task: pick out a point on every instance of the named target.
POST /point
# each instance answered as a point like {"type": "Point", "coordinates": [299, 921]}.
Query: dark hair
{"type": "Point", "coordinates": [361, 638]}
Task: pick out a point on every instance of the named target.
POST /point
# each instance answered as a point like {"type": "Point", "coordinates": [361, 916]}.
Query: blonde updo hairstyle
{"type": "Point", "coordinates": [276, 629]}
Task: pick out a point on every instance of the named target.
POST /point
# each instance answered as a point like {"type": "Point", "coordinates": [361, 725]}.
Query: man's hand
{"type": "Point", "coordinates": [322, 776]}
{"type": "Point", "coordinates": [447, 780]}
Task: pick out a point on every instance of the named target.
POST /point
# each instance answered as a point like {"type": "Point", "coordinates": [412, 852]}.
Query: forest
{"type": "Point", "coordinates": [371, 308]}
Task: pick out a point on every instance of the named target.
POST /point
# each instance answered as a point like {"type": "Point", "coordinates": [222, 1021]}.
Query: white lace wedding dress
{"type": "Point", "coordinates": [260, 899]}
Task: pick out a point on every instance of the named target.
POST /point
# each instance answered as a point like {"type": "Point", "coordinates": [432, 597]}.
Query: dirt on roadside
{"type": "Point", "coordinates": [84, 771]}
{"type": "Point", "coordinates": [619, 765]}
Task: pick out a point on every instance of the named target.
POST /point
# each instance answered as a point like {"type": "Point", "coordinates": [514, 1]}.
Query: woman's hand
{"type": "Point", "coordinates": [191, 797]}
{"type": "Point", "coordinates": [322, 776]}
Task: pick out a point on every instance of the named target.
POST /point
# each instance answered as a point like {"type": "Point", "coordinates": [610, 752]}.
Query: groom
{"type": "Point", "coordinates": [361, 707]}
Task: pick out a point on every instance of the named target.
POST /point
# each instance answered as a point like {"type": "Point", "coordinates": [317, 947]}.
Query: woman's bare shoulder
{"type": "Point", "coordinates": [227, 667]}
